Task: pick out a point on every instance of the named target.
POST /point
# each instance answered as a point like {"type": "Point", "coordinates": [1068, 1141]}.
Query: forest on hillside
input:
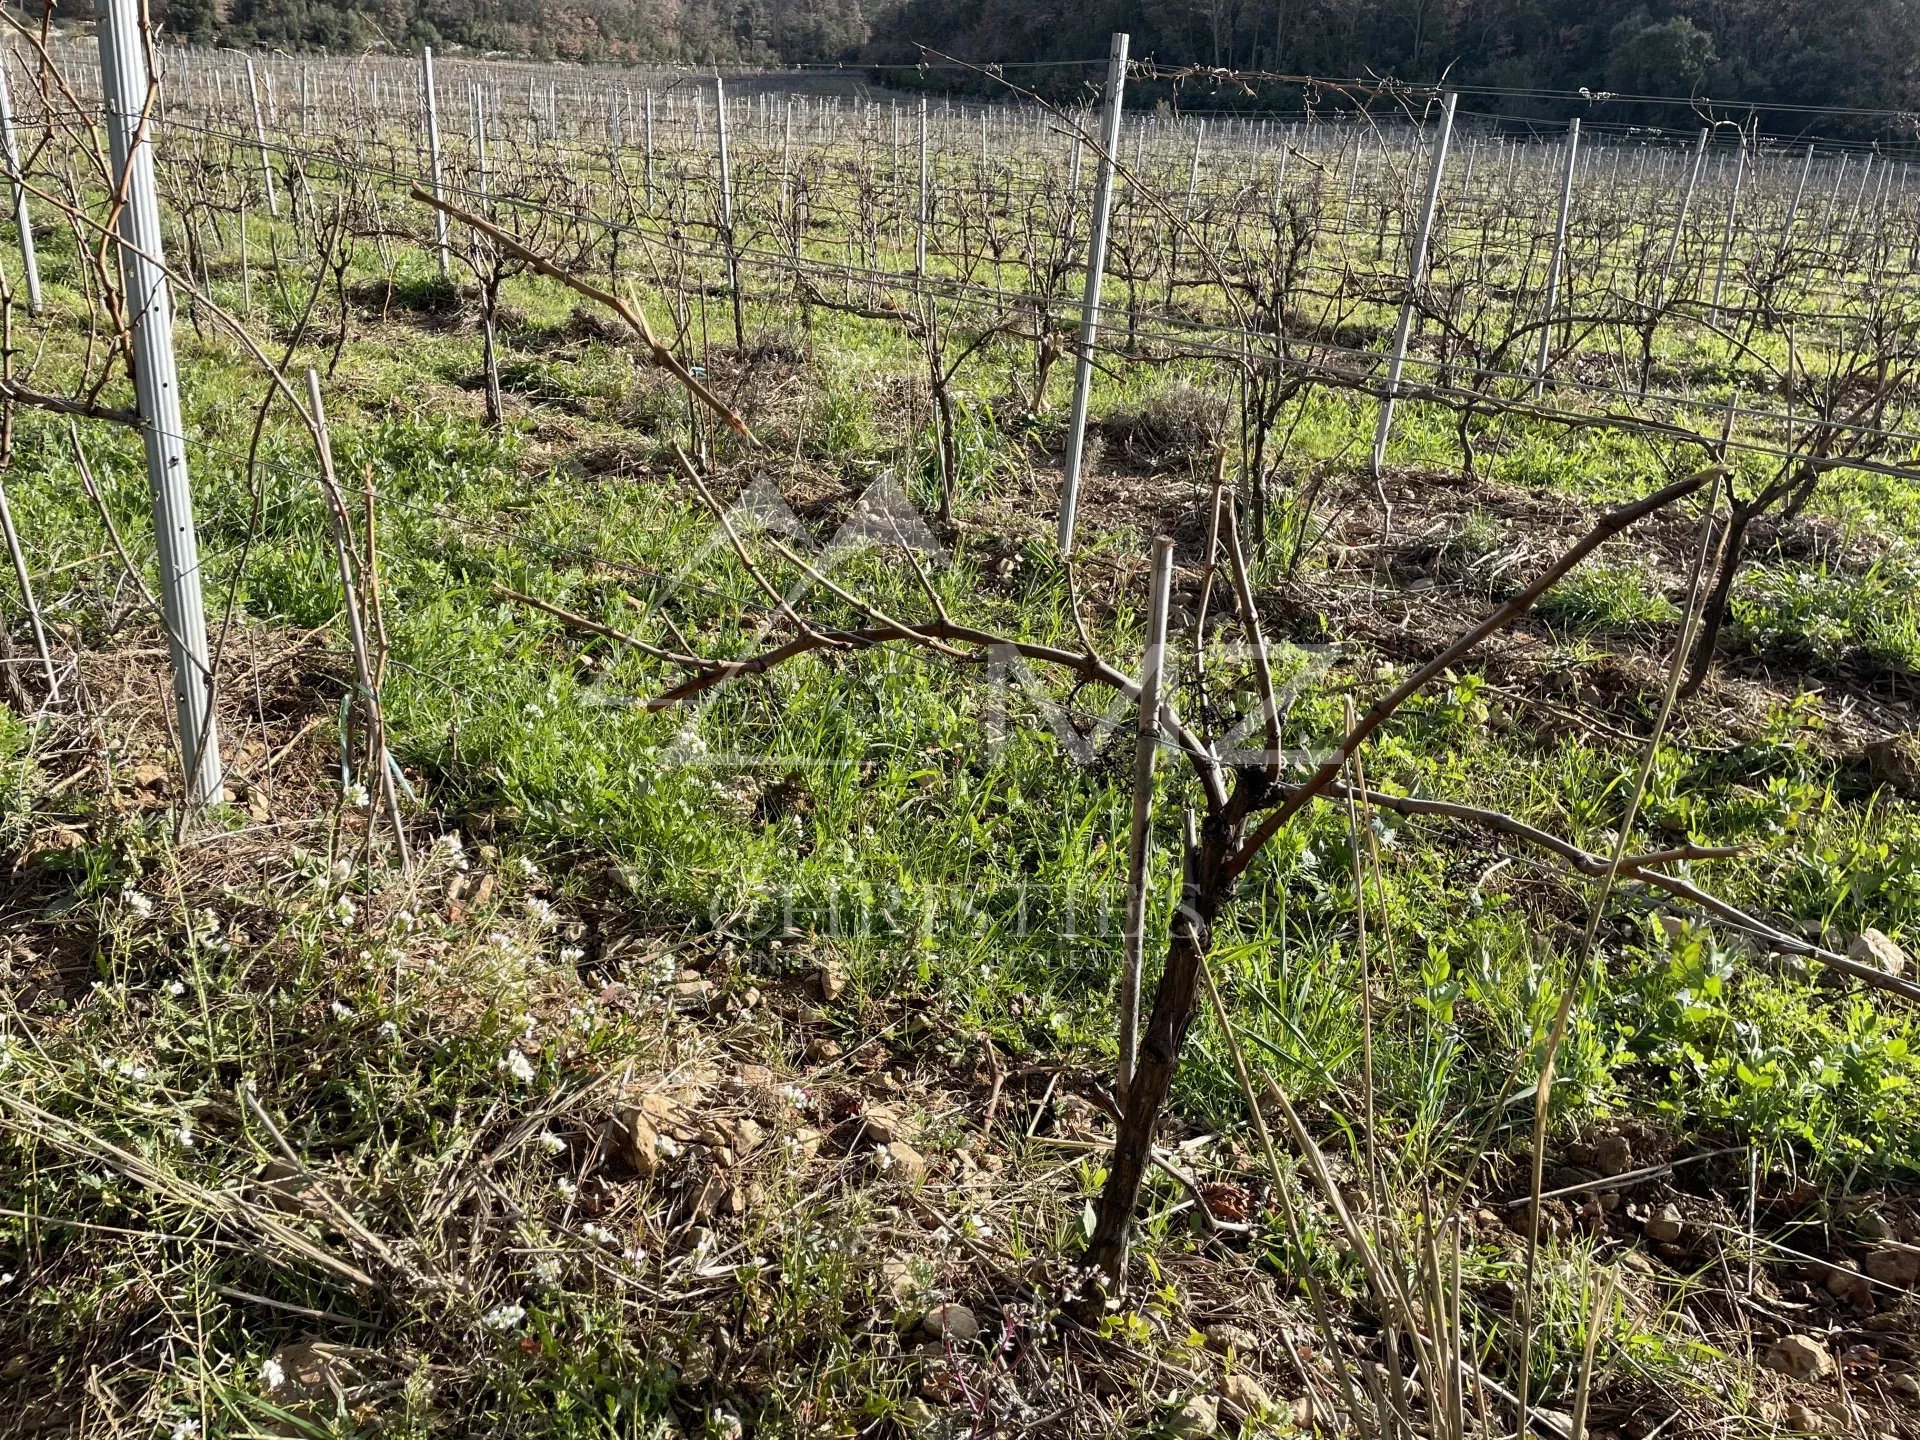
{"type": "Point", "coordinates": [1834, 55]}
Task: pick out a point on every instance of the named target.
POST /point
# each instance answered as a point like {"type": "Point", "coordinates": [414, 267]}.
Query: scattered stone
{"type": "Point", "coordinates": [1875, 948]}
{"type": "Point", "coordinates": [914, 1412]}
{"type": "Point", "coordinates": [1801, 1417]}
{"type": "Point", "coordinates": [1672, 926]}
{"type": "Point", "coordinates": [906, 1162]}
{"type": "Point", "coordinates": [635, 1141]}
{"type": "Point", "coordinates": [1230, 1339]}
{"type": "Point", "coordinates": [1245, 1397]}
{"type": "Point", "coordinates": [951, 1321]}
{"type": "Point", "coordinates": [1893, 1265]}
{"type": "Point", "coordinates": [820, 1049]}
{"type": "Point", "coordinates": [830, 981]}
{"type": "Point", "coordinates": [1665, 1226]}
{"type": "Point", "coordinates": [1195, 1420]}
{"type": "Point", "coordinates": [1894, 762]}
{"type": "Point", "coordinates": [748, 1137]}
{"type": "Point", "coordinates": [692, 990]}
{"type": "Point", "coordinates": [1612, 1155]}
{"type": "Point", "coordinates": [1872, 1225]}
{"type": "Point", "coordinates": [807, 1142]}
{"type": "Point", "coordinates": [1850, 1286]}
{"type": "Point", "coordinates": [1906, 1386]}
{"type": "Point", "coordinates": [1799, 1357]}
{"type": "Point", "coordinates": [897, 1276]}
{"type": "Point", "coordinates": [753, 1078]}
{"type": "Point", "coordinates": [884, 1124]}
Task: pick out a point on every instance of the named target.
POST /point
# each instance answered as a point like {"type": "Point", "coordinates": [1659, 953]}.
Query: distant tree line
{"type": "Point", "coordinates": [1832, 56]}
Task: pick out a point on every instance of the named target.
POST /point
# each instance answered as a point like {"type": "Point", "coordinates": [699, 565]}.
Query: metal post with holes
{"type": "Point", "coordinates": [1416, 277]}
{"type": "Point", "coordinates": [149, 308]}
{"type": "Point", "coordinates": [1726, 237]}
{"type": "Point", "coordinates": [432, 102]}
{"type": "Point", "coordinates": [726, 209]}
{"type": "Point", "coordinates": [1555, 260]}
{"type": "Point", "coordinates": [260, 139]}
{"type": "Point", "coordinates": [1680, 220]}
{"type": "Point", "coordinates": [920, 240]}
{"type": "Point", "coordinates": [23, 221]}
{"type": "Point", "coordinates": [1146, 749]}
{"type": "Point", "coordinates": [1090, 296]}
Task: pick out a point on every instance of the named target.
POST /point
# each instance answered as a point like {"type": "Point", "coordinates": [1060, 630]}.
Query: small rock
{"type": "Point", "coordinates": [1875, 948]}
{"type": "Point", "coordinates": [748, 1137]}
{"type": "Point", "coordinates": [906, 1162]}
{"type": "Point", "coordinates": [820, 1048]}
{"type": "Point", "coordinates": [1672, 926]}
{"type": "Point", "coordinates": [897, 1275]}
{"type": "Point", "coordinates": [914, 1413]}
{"type": "Point", "coordinates": [884, 1124]}
{"type": "Point", "coordinates": [1850, 1286]}
{"type": "Point", "coordinates": [1665, 1226]}
{"type": "Point", "coordinates": [1245, 1397]}
{"type": "Point", "coordinates": [830, 981]}
{"type": "Point", "coordinates": [951, 1321]}
{"type": "Point", "coordinates": [1232, 1340]}
{"type": "Point", "coordinates": [752, 1079]}
{"type": "Point", "coordinates": [1894, 762]}
{"type": "Point", "coordinates": [1893, 1265]}
{"type": "Point", "coordinates": [1612, 1155]}
{"type": "Point", "coordinates": [1872, 1225]}
{"type": "Point", "coordinates": [807, 1142]}
{"type": "Point", "coordinates": [1196, 1419]}
{"type": "Point", "coordinates": [692, 991]}
{"type": "Point", "coordinates": [1799, 1357]}
{"type": "Point", "coordinates": [635, 1141]}
{"type": "Point", "coordinates": [1799, 1416]}
{"type": "Point", "coordinates": [1906, 1386]}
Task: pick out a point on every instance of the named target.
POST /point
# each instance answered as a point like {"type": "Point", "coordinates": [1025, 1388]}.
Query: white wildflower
{"type": "Point", "coordinates": [343, 909]}
{"type": "Point", "coordinates": [552, 1143]}
{"type": "Point", "coordinates": [518, 1066]}
{"type": "Point", "coordinates": [538, 910]}
{"type": "Point", "coordinates": [389, 1029]}
{"type": "Point", "coordinates": [665, 1147]}
{"type": "Point", "coordinates": [141, 905]}
{"type": "Point", "coordinates": [547, 1270]}
{"type": "Point", "coordinates": [571, 954]}
{"type": "Point", "coordinates": [272, 1374]}
{"type": "Point", "coordinates": [176, 988]}
{"type": "Point", "coordinates": [357, 797]}
{"type": "Point", "coordinates": [528, 870]}
{"type": "Point", "coordinates": [600, 1235]}
{"type": "Point", "coordinates": [342, 1010]}
{"type": "Point", "coordinates": [566, 1188]}
{"type": "Point", "coordinates": [185, 1429]}
{"type": "Point", "coordinates": [184, 1136]}
{"type": "Point", "coordinates": [504, 1317]}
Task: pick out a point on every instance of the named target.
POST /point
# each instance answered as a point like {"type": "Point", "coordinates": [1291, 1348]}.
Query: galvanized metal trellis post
{"type": "Point", "coordinates": [726, 209]}
{"type": "Point", "coordinates": [1726, 238]}
{"type": "Point", "coordinates": [920, 240]}
{"type": "Point", "coordinates": [1680, 220]}
{"type": "Point", "coordinates": [149, 306]}
{"type": "Point", "coordinates": [1145, 750]}
{"type": "Point", "coordinates": [1555, 260]}
{"type": "Point", "coordinates": [19, 557]}
{"type": "Point", "coordinates": [260, 139]}
{"type": "Point", "coordinates": [1090, 296]}
{"type": "Point", "coordinates": [433, 156]}
{"type": "Point", "coordinates": [1416, 276]}
{"type": "Point", "coordinates": [23, 221]}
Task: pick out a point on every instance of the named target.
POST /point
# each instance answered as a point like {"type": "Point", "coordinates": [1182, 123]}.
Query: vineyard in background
{"type": "Point", "coordinates": [675, 740]}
